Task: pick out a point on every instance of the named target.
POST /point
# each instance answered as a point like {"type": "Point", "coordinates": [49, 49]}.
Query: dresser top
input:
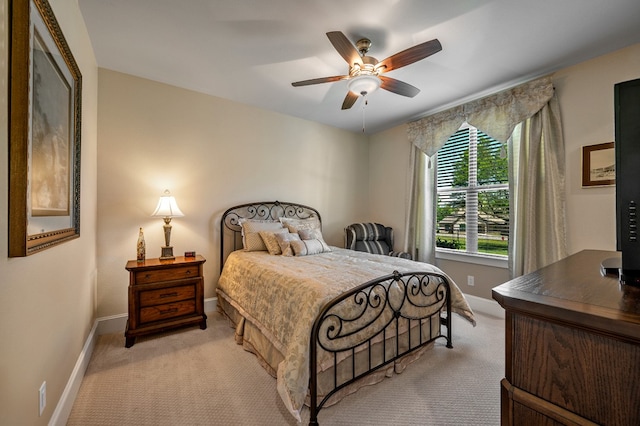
{"type": "Point", "coordinates": [573, 290]}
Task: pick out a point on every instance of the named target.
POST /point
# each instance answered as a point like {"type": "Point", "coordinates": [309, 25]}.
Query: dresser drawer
{"type": "Point", "coordinates": [167, 295]}
{"type": "Point", "coordinates": [166, 274]}
{"type": "Point", "coordinates": [166, 311]}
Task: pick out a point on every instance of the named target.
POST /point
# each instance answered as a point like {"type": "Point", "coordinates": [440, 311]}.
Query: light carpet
{"type": "Point", "coordinates": [196, 377]}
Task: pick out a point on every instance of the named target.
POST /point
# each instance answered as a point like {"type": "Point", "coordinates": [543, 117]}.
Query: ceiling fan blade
{"type": "Point", "coordinates": [410, 55]}
{"type": "Point", "coordinates": [344, 47]}
{"type": "Point", "coordinates": [349, 100]}
{"type": "Point", "coordinates": [319, 80]}
{"type": "Point", "coordinates": [398, 87]}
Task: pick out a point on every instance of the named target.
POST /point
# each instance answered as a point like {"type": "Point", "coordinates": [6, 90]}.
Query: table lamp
{"type": "Point", "coordinates": [166, 209]}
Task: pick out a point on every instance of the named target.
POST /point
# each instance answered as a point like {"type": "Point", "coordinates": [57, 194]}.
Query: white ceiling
{"type": "Point", "coordinates": [251, 51]}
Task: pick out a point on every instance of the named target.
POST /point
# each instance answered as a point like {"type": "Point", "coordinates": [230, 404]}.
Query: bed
{"type": "Point", "coordinates": [321, 319]}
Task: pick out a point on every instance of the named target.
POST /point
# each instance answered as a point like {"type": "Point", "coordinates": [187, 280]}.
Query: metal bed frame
{"type": "Point", "coordinates": [383, 307]}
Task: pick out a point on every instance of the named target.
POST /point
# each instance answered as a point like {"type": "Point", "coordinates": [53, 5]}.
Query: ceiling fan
{"type": "Point", "coordinates": [365, 72]}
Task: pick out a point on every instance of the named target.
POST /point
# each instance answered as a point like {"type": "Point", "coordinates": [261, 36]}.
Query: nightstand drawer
{"type": "Point", "coordinates": [169, 310]}
{"type": "Point", "coordinates": [167, 295]}
{"type": "Point", "coordinates": [167, 274]}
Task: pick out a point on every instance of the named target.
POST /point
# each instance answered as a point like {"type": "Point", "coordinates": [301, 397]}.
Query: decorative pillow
{"type": "Point", "coordinates": [270, 240]}
{"type": "Point", "coordinates": [308, 247]}
{"type": "Point", "coordinates": [251, 240]}
{"type": "Point", "coordinates": [284, 241]}
{"type": "Point", "coordinates": [313, 234]}
{"type": "Point", "coordinates": [310, 234]}
{"type": "Point", "coordinates": [294, 225]}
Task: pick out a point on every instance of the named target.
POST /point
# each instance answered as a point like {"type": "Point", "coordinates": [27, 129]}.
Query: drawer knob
{"type": "Point", "coordinates": [188, 272]}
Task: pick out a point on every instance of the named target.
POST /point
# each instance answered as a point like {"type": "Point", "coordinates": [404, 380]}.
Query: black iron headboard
{"type": "Point", "coordinates": [231, 232]}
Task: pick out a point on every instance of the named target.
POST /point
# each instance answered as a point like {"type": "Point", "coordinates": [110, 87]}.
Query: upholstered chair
{"type": "Point", "coordinates": [372, 238]}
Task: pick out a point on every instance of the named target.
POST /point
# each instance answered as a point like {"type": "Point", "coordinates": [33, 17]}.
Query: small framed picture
{"type": "Point", "coordinates": [598, 165]}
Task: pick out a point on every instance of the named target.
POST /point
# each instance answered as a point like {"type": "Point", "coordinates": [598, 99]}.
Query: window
{"type": "Point", "coordinates": [473, 194]}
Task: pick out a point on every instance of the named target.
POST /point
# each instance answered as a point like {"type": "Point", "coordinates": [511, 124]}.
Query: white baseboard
{"type": "Point", "coordinates": [210, 305]}
{"type": "Point", "coordinates": [103, 325]}
{"type": "Point", "coordinates": [485, 306]}
{"type": "Point", "coordinates": [63, 409]}
{"type": "Point", "coordinates": [112, 324]}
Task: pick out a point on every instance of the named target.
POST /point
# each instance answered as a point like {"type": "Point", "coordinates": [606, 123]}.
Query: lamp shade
{"type": "Point", "coordinates": [364, 84]}
{"type": "Point", "coordinates": [167, 207]}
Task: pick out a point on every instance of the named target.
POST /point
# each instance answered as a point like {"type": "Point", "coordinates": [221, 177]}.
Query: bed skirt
{"type": "Point", "coordinates": [250, 336]}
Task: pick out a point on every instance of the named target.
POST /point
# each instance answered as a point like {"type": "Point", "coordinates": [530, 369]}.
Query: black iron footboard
{"type": "Point", "coordinates": [374, 325]}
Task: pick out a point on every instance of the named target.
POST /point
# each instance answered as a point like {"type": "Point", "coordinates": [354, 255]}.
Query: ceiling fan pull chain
{"type": "Point", "coordinates": [364, 104]}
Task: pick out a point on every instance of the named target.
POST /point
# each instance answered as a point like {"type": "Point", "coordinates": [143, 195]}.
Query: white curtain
{"type": "Point", "coordinates": [536, 186]}
{"type": "Point", "coordinates": [496, 115]}
{"type": "Point", "coordinates": [420, 231]}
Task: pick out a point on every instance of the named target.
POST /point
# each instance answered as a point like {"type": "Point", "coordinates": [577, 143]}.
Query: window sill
{"type": "Point", "coordinates": [478, 259]}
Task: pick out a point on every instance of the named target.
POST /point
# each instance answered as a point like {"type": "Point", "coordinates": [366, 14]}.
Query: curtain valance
{"type": "Point", "coordinates": [496, 115]}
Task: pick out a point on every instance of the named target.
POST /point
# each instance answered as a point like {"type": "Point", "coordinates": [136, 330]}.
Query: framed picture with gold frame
{"type": "Point", "coordinates": [44, 132]}
{"type": "Point", "coordinates": [598, 165]}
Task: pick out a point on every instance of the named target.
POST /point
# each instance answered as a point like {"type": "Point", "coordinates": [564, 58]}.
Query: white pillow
{"type": "Point", "coordinates": [313, 234]}
{"type": "Point", "coordinates": [251, 239]}
{"type": "Point", "coordinates": [309, 247]}
{"type": "Point", "coordinates": [294, 225]}
{"type": "Point", "coordinates": [284, 240]}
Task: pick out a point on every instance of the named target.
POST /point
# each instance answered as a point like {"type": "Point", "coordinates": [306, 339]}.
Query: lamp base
{"type": "Point", "coordinates": [167, 253]}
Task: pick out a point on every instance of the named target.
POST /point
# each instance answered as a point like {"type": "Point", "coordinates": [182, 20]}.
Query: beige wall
{"type": "Point", "coordinates": [388, 180]}
{"type": "Point", "coordinates": [211, 154]}
{"type": "Point", "coordinates": [47, 300]}
{"type": "Point", "coordinates": [585, 93]}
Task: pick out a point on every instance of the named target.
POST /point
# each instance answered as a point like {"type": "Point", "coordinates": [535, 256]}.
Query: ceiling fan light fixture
{"type": "Point", "coordinates": [364, 84]}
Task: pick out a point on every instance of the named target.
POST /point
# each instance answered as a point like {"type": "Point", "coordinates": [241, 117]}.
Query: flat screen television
{"type": "Point", "coordinates": [627, 152]}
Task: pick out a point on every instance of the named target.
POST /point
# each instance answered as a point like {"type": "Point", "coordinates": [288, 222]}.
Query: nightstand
{"type": "Point", "coordinates": [164, 294]}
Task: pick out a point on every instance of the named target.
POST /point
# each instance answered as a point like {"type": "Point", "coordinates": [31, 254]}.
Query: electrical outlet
{"type": "Point", "coordinates": [470, 280]}
{"type": "Point", "coordinates": [42, 400]}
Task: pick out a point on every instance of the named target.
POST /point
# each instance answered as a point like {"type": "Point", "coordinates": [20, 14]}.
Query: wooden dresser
{"type": "Point", "coordinates": [164, 294]}
{"type": "Point", "coordinates": [572, 346]}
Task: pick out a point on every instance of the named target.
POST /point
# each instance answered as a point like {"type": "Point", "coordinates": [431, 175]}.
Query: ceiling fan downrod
{"type": "Point", "coordinates": [363, 45]}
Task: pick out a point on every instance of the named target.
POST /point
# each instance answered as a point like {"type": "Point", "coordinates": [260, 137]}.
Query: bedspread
{"type": "Point", "coordinates": [283, 295]}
